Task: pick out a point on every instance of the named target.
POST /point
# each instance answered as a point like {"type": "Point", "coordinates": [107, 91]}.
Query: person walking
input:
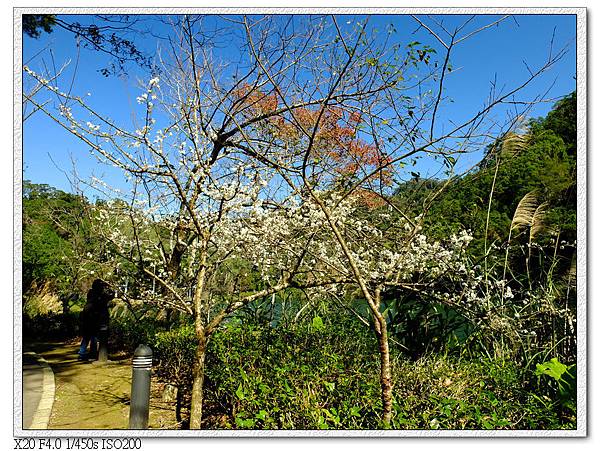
{"type": "Point", "coordinates": [103, 317]}
{"type": "Point", "coordinates": [94, 319]}
{"type": "Point", "coordinates": [88, 327]}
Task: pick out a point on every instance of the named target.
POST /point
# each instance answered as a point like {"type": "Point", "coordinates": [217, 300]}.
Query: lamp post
{"type": "Point", "coordinates": [140, 388]}
{"type": "Point", "coordinates": [103, 344]}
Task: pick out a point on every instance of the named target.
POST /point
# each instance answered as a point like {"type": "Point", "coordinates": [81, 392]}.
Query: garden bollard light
{"type": "Point", "coordinates": [102, 344]}
{"type": "Point", "coordinates": [140, 388]}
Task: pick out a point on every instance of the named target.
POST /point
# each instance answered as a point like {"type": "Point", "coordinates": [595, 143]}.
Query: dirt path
{"type": "Point", "coordinates": [94, 396]}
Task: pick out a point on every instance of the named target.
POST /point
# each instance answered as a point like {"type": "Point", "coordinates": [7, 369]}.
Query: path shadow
{"type": "Point", "coordinates": [63, 358]}
{"type": "Point", "coordinates": [90, 395]}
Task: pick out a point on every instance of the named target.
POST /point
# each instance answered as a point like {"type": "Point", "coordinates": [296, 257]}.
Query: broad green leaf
{"type": "Point", "coordinates": [552, 368]}
{"type": "Point", "coordinates": [240, 392]}
{"type": "Point", "coordinates": [317, 323]}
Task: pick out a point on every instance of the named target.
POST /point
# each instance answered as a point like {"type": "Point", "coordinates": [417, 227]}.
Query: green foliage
{"type": "Point", "coordinates": [307, 377]}
{"type": "Point", "coordinates": [34, 24]}
{"type": "Point", "coordinates": [175, 352]}
{"type": "Point", "coordinates": [546, 165]}
{"type": "Point", "coordinates": [127, 333]}
{"type": "Point", "coordinates": [564, 387]}
{"type": "Point", "coordinates": [420, 326]}
{"type": "Point", "coordinates": [55, 239]}
{"type": "Point", "coordinates": [51, 326]}
{"type": "Point", "coordinates": [441, 393]}
{"type": "Point", "coordinates": [562, 120]}
{"type": "Point", "coordinates": [552, 368]}
{"type": "Point", "coordinates": [317, 324]}
{"type": "Point", "coordinates": [259, 377]}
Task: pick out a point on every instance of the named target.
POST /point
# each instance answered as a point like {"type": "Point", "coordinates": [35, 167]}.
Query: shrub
{"type": "Point", "coordinates": [41, 301]}
{"type": "Point", "coordinates": [127, 334]}
{"type": "Point", "coordinates": [559, 385]}
{"type": "Point", "coordinates": [322, 375]}
{"type": "Point", "coordinates": [52, 326]}
{"type": "Point", "coordinates": [175, 352]}
{"type": "Point", "coordinates": [301, 378]}
{"type": "Point", "coordinates": [441, 393]}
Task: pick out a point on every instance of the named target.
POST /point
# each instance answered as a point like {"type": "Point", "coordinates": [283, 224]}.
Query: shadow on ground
{"type": "Point", "coordinates": [95, 396]}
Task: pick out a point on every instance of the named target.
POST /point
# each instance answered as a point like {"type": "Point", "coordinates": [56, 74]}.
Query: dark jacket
{"type": "Point", "coordinates": [95, 313]}
{"type": "Point", "coordinates": [88, 321]}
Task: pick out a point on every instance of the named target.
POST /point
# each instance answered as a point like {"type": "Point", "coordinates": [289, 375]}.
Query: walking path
{"type": "Point", "coordinates": [38, 391]}
{"type": "Point", "coordinates": [88, 395]}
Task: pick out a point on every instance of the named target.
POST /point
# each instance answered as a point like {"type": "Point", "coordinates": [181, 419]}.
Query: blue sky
{"type": "Point", "coordinates": [497, 52]}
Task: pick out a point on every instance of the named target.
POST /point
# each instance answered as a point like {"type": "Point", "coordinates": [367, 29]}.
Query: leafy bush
{"type": "Point", "coordinates": [51, 326]}
{"type": "Point", "coordinates": [441, 393]}
{"type": "Point", "coordinates": [126, 334]}
{"type": "Point", "coordinates": [309, 377]}
{"type": "Point", "coordinates": [175, 352]}
{"type": "Point", "coordinates": [563, 384]}
{"type": "Point", "coordinates": [321, 375]}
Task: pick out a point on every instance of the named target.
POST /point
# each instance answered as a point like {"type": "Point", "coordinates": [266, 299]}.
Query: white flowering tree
{"type": "Point", "coordinates": [261, 160]}
{"type": "Point", "coordinates": [353, 150]}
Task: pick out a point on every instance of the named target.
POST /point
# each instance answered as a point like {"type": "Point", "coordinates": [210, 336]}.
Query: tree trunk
{"type": "Point", "coordinates": [374, 303]}
{"type": "Point", "coordinates": [385, 373]}
{"type": "Point", "coordinates": [198, 370]}
{"type": "Point", "coordinates": [198, 385]}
